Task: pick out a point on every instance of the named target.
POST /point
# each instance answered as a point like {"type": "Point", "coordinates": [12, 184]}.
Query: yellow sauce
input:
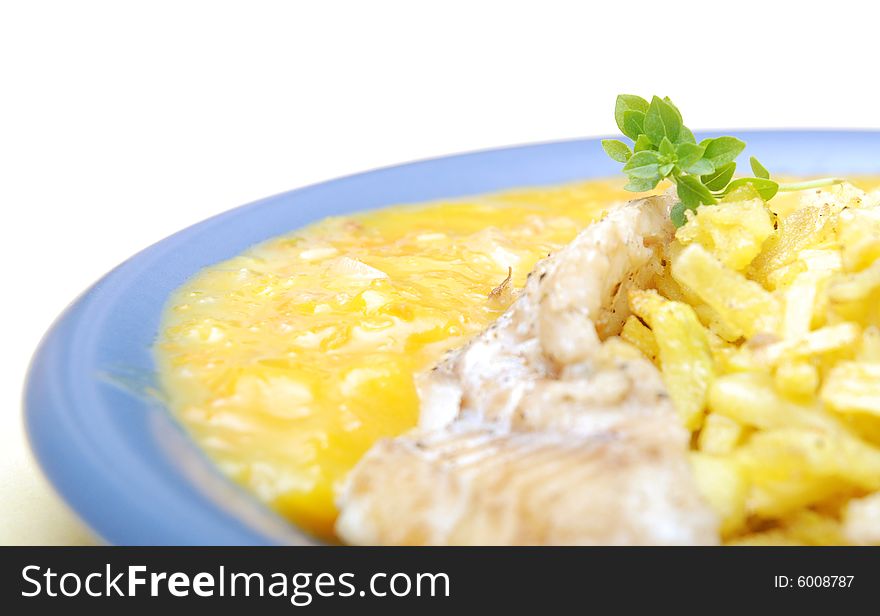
{"type": "Point", "coordinates": [286, 363]}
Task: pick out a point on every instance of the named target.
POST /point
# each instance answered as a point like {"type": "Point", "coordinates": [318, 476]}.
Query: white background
{"type": "Point", "coordinates": [121, 122]}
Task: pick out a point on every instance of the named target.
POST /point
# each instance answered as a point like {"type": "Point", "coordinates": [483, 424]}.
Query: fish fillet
{"type": "Point", "coordinates": [546, 428]}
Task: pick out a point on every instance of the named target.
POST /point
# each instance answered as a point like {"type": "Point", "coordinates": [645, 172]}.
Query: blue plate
{"type": "Point", "coordinates": [115, 453]}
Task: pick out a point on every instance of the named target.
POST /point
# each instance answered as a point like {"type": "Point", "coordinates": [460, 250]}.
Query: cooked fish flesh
{"type": "Point", "coordinates": [546, 428]}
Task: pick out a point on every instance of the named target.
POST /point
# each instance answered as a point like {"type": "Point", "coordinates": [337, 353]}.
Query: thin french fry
{"type": "Point", "coordinates": [683, 349]}
{"type": "Point", "coordinates": [742, 304]}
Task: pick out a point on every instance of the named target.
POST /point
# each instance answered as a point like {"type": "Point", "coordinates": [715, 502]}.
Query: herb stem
{"type": "Point", "coordinates": [817, 183]}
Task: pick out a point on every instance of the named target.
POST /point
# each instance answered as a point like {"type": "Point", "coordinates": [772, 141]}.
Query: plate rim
{"type": "Point", "coordinates": [94, 488]}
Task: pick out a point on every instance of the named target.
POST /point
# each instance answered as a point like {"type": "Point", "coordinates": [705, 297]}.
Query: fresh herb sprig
{"type": "Point", "coordinates": [664, 148]}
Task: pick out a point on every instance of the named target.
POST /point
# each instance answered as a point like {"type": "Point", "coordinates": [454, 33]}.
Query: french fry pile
{"type": "Point", "coordinates": [766, 326]}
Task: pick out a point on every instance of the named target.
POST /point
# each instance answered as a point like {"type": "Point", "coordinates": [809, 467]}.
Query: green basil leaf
{"type": "Point", "coordinates": [723, 150]}
{"type": "Point", "coordinates": [669, 102]}
{"type": "Point", "coordinates": [666, 148]}
{"type": "Point", "coordinates": [677, 214]}
{"type": "Point", "coordinates": [665, 169]}
{"type": "Point", "coordinates": [686, 136]}
{"type": "Point", "coordinates": [641, 185]}
{"type": "Point", "coordinates": [624, 103]}
{"type": "Point", "coordinates": [688, 154]}
{"type": "Point", "coordinates": [662, 120]}
{"type": "Point", "coordinates": [701, 167]}
{"type": "Point", "coordinates": [692, 192]}
{"type": "Point", "coordinates": [767, 189]}
{"type": "Point", "coordinates": [643, 143]}
{"type": "Point", "coordinates": [643, 165]}
{"type": "Point", "coordinates": [633, 123]}
{"type": "Point", "coordinates": [758, 169]}
{"type": "Point", "coordinates": [617, 150]}
{"type": "Point", "coordinates": [689, 198]}
{"type": "Point", "coordinates": [719, 178]}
